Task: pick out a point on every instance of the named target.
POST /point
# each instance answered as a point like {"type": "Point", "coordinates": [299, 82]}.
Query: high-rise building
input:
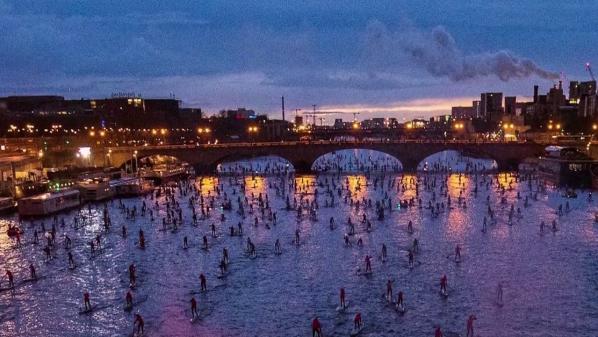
{"type": "Point", "coordinates": [587, 88]}
{"type": "Point", "coordinates": [476, 108]}
{"type": "Point", "coordinates": [574, 92]}
{"type": "Point", "coordinates": [587, 99]}
{"type": "Point", "coordinates": [491, 106]}
{"type": "Point", "coordinates": [510, 105]}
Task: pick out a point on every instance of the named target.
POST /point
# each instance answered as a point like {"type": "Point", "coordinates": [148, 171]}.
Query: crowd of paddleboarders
{"type": "Point", "coordinates": [211, 201]}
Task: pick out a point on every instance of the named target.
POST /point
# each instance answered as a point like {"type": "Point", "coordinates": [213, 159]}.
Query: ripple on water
{"type": "Point", "coordinates": [549, 280]}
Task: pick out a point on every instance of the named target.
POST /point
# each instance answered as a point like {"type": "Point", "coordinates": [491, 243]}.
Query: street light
{"type": "Point", "coordinates": [252, 130]}
{"type": "Point", "coordinates": [136, 163]}
{"type": "Point", "coordinates": [107, 159]}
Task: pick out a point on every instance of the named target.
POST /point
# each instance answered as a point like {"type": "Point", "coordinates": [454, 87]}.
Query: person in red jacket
{"type": "Point", "coordinates": [11, 279]}
{"type": "Point", "coordinates": [316, 329]}
{"type": "Point", "coordinates": [357, 321]}
{"type": "Point", "coordinates": [443, 282]}
{"type": "Point", "coordinates": [194, 312]}
{"type": "Point", "coordinates": [438, 333]}
{"type": "Point", "coordinates": [86, 301]}
{"type": "Point", "coordinates": [470, 325]}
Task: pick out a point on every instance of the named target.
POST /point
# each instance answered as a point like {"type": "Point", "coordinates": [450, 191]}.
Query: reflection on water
{"type": "Point", "coordinates": [549, 278]}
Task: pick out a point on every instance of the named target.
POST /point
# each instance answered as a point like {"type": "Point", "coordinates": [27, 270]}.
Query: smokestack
{"type": "Point", "coordinates": [283, 108]}
{"type": "Point", "coordinates": [560, 85]}
{"type": "Point", "coordinates": [535, 94]}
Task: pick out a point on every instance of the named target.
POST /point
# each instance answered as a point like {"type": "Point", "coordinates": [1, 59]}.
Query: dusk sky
{"type": "Point", "coordinates": [395, 58]}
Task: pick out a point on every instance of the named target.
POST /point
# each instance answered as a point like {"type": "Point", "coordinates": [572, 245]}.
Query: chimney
{"type": "Point", "coordinates": [560, 85]}
{"type": "Point", "coordinates": [535, 94]}
{"type": "Point", "coordinates": [283, 108]}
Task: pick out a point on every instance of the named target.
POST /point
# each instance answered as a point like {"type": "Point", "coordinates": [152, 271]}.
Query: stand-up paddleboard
{"type": "Point", "coordinates": [359, 271]}
{"type": "Point", "coordinates": [194, 319]}
{"type": "Point", "coordinates": [32, 280]}
{"type": "Point", "coordinates": [387, 300]}
{"type": "Point", "coordinates": [444, 293]}
{"type": "Point", "coordinates": [84, 311]}
{"type": "Point", "coordinates": [343, 309]}
{"type": "Point", "coordinates": [356, 332]}
{"type": "Point", "coordinates": [135, 334]}
{"type": "Point", "coordinates": [400, 309]}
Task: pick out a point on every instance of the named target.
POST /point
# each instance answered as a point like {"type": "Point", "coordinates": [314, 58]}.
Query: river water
{"type": "Point", "coordinates": [549, 278]}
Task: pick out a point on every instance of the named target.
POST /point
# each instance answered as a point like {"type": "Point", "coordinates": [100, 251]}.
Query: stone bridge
{"type": "Point", "coordinates": [205, 158]}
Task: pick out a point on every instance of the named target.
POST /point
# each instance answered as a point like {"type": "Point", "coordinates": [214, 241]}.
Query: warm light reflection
{"type": "Point", "coordinates": [256, 185]}
{"type": "Point", "coordinates": [206, 185]}
{"type": "Point", "coordinates": [357, 185]}
{"type": "Point", "coordinates": [457, 183]}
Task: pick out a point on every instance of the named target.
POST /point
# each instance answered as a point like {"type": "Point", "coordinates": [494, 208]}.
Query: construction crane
{"type": "Point", "coordinates": [589, 69]}
{"type": "Point", "coordinates": [319, 114]}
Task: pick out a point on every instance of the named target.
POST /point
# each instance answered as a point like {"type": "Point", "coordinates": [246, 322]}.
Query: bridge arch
{"type": "Point", "coordinates": [356, 159]}
{"type": "Point", "coordinates": [452, 160]}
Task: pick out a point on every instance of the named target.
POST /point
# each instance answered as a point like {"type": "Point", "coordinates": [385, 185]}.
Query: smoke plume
{"type": "Point", "coordinates": [438, 53]}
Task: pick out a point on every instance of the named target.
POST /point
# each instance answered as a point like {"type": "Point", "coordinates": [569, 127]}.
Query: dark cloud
{"type": "Point", "coordinates": [437, 52]}
{"type": "Point", "coordinates": [350, 51]}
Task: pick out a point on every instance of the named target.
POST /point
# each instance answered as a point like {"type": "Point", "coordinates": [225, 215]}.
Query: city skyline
{"type": "Point", "coordinates": [393, 59]}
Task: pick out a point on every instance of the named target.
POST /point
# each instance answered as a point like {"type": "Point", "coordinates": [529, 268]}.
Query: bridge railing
{"type": "Point", "coordinates": [312, 142]}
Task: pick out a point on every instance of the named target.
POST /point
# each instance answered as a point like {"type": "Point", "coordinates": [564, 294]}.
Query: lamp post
{"type": "Point", "coordinates": [203, 131]}
{"type": "Point", "coordinates": [252, 130]}
{"type": "Point", "coordinates": [107, 158]}
{"type": "Point", "coordinates": [136, 163]}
